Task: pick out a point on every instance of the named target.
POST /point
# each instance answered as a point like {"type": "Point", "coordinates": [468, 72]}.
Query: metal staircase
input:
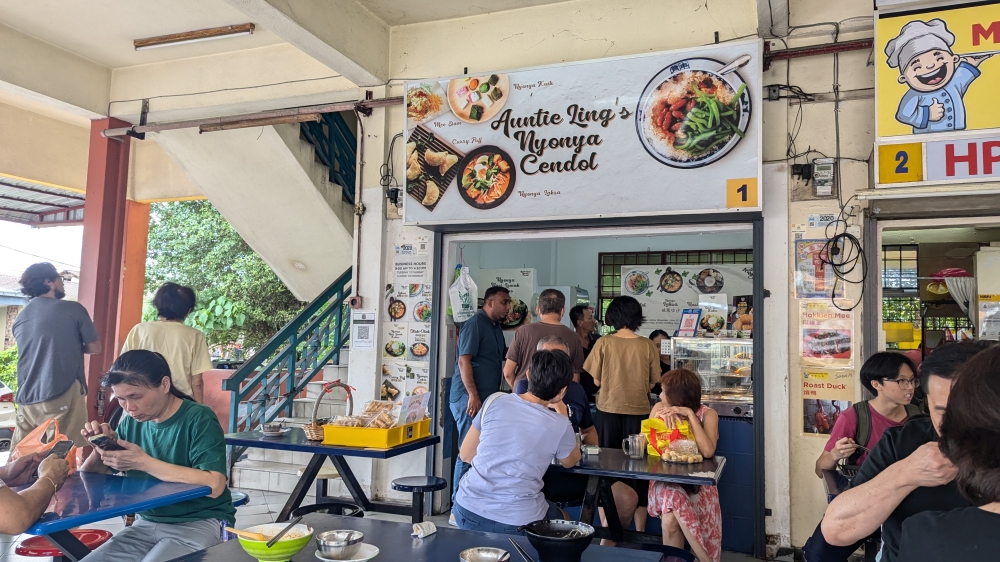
{"type": "Point", "coordinates": [270, 381]}
{"type": "Point", "coordinates": [336, 147]}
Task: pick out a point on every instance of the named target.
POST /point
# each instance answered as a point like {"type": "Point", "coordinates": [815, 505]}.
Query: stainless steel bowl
{"type": "Point", "coordinates": [273, 427]}
{"type": "Point", "coordinates": [484, 554]}
{"type": "Point", "coordinates": [339, 545]}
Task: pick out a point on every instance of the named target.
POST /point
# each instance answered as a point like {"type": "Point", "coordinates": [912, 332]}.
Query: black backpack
{"type": "Point", "coordinates": [864, 431]}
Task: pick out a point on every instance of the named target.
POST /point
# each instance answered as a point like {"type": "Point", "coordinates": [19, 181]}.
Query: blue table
{"type": "Point", "coordinates": [88, 498]}
{"type": "Point", "coordinates": [295, 440]}
{"type": "Point", "coordinates": [612, 464]}
{"type": "Point", "coordinates": [396, 545]}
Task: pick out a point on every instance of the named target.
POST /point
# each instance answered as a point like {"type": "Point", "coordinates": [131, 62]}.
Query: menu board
{"type": "Point", "coordinates": [666, 291]}
{"type": "Point", "coordinates": [671, 132]}
{"type": "Point", "coordinates": [523, 289]}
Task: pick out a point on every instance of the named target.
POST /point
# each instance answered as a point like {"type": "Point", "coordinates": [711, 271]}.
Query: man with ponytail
{"type": "Point", "coordinates": [166, 435]}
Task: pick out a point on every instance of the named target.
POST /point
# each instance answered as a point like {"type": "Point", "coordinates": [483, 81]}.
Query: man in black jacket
{"type": "Point", "coordinates": [905, 474]}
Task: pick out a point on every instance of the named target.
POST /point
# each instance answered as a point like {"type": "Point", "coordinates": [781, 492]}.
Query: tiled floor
{"type": "Point", "coordinates": [262, 508]}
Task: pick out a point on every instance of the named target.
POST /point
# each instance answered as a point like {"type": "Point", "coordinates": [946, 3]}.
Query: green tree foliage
{"type": "Point", "coordinates": [239, 296]}
{"type": "Point", "coordinates": [8, 367]}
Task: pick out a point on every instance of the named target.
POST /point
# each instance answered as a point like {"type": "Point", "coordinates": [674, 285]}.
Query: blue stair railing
{"type": "Point", "coordinates": [266, 385]}
{"type": "Point", "coordinates": [336, 147]}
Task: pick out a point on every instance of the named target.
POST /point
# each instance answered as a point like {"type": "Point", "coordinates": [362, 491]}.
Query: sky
{"type": "Point", "coordinates": [22, 245]}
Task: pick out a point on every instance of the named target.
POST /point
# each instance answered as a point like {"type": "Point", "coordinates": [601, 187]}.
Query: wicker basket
{"type": "Point", "coordinates": [314, 430]}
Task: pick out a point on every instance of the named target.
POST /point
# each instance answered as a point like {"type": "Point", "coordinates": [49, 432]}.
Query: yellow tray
{"type": "Point", "coordinates": [375, 438]}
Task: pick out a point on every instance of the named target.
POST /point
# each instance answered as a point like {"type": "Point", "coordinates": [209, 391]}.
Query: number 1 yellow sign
{"type": "Point", "coordinates": [741, 193]}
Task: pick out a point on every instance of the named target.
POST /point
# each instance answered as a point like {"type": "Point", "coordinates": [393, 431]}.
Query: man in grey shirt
{"type": "Point", "coordinates": [52, 336]}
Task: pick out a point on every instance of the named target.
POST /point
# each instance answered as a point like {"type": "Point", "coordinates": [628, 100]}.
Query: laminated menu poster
{"type": "Point", "coordinates": [417, 379]}
{"type": "Point", "coordinates": [395, 340]}
{"type": "Point", "coordinates": [668, 132]}
{"type": "Point", "coordinates": [814, 277]}
{"type": "Point", "coordinates": [826, 394]}
{"type": "Point", "coordinates": [523, 289]}
{"type": "Point", "coordinates": [393, 381]}
{"type": "Point", "coordinates": [666, 291]}
{"type": "Point", "coordinates": [418, 342]}
{"type": "Point", "coordinates": [826, 333]}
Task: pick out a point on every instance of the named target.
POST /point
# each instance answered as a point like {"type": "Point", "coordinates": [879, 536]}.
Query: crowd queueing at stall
{"type": "Point", "coordinates": [921, 458]}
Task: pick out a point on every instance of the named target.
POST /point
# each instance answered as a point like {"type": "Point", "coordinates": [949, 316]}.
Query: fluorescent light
{"type": "Point", "coordinates": [194, 36]}
{"type": "Point", "coordinates": [247, 123]}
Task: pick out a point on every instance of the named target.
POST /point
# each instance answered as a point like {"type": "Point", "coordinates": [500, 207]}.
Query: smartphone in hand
{"type": "Point", "coordinates": [60, 449]}
{"type": "Point", "coordinates": [105, 443]}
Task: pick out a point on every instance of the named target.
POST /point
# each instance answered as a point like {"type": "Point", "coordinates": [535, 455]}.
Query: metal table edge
{"type": "Point", "coordinates": [47, 527]}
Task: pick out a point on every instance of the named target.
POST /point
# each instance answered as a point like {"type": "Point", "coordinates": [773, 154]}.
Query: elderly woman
{"type": "Point", "coordinates": [22, 509]}
{"type": "Point", "coordinates": [625, 366]}
{"type": "Point", "coordinates": [695, 516]}
{"type": "Point", "coordinates": [970, 438]}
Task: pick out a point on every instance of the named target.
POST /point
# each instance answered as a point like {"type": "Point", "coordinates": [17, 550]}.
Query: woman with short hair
{"type": "Point", "coordinates": [970, 438]}
{"type": "Point", "coordinates": [185, 348]}
{"type": "Point", "coordinates": [693, 516]}
{"type": "Point", "coordinates": [625, 366]}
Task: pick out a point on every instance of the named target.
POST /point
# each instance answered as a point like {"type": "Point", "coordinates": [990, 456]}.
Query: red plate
{"type": "Point", "coordinates": [40, 546]}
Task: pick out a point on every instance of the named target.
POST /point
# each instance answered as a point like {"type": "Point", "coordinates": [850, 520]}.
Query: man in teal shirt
{"type": "Point", "coordinates": [168, 436]}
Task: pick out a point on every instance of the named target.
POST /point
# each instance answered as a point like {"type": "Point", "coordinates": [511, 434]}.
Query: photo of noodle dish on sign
{"type": "Point", "coordinates": [693, 113]}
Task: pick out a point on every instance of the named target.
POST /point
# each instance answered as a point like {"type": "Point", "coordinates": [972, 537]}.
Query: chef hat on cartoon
{"type": "Point", "coordinates": [916, 38]}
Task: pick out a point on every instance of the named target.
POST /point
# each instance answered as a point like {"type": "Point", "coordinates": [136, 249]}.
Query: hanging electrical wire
{"type": "Point", "coordinates": [387, 175]}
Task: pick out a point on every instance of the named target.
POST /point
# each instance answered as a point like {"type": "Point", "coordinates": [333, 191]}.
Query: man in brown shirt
{"type": "Point", "coordinates": [551, 308]}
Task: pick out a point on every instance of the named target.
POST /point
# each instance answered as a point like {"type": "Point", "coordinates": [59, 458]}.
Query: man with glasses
{"type": "Point", "coordinates": [892, 378]}
{"type": "Point", "coordinates": [905, 474]}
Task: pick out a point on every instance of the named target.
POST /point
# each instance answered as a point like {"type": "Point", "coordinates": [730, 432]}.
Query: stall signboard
{"type": "Point", "coordinates": [936, 78]}
{"type": "Point", "coordinates": [666, 292]}
{"type": "Point", "coordinates": [671, 132]}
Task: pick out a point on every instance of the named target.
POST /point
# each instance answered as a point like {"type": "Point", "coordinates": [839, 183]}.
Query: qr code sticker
{"type": "Point", "coordinates": [364, 332]}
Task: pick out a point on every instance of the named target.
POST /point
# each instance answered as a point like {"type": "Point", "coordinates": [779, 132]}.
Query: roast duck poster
{"type": "Point", "coordinates": [642, 135]}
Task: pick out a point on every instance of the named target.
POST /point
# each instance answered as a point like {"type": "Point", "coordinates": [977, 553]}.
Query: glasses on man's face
{"type": "Point", "coordinates": [905, 383]}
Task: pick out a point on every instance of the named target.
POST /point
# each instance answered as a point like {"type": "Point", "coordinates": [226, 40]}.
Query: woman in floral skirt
{"type": "Point", "coordinates": [685, 512]}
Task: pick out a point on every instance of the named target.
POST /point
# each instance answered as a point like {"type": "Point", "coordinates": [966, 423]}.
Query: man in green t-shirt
{"type": "Point", "coordinates": [168, 436]}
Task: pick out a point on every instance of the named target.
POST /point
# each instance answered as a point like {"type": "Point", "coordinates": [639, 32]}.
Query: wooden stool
{"type": "Point", "coordinates": [418, 486]}
{"type": "Point", "coordinates": [41, 547]}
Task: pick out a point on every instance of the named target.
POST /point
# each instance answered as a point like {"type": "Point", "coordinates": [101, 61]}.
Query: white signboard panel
{"type": "Point", "coordinates": [674, 132]}
{"type": "Point", "coordinates": [665, 292]}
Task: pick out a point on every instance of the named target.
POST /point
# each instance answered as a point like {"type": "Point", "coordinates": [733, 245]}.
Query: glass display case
{"type": "Point", "coordinates": [724, 366]}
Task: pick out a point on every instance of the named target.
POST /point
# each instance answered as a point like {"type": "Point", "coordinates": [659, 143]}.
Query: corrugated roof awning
{"type": "Point", "coordinates": [38, 204]}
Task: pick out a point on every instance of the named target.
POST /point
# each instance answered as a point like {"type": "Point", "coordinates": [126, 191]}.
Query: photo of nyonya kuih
{"type": "Point", "coordinates": [512, 442]}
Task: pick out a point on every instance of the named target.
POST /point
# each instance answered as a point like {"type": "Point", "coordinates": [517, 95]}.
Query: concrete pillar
{"type": "Point", "coordinates": [103, 243]}
{"type": "Point", "coordinates": [133, 269]}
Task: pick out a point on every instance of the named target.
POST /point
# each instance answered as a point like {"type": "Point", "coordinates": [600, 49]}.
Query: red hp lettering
{"type": "Point", "coordinates": [970, 158]}
{"type": "Point", "coordinates": [991, 155]}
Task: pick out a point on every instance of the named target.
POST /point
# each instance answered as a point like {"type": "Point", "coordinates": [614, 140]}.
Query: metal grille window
{"type": "Point", "coordinates": [899, 267]}
{"type": "Point", "coordinates": [609, 267]}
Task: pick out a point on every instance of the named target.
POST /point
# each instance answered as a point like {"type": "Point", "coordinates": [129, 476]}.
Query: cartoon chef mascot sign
{"type": "Point", "coordinates": [938, 78]}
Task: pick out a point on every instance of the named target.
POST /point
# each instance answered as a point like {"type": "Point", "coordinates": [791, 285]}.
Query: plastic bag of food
{"type": "Point", "coordinates": [375, 407]}
{"type": "Point", "coordinates": [659, 436]}
{"type": "Point", "coordinates": [463, 295]}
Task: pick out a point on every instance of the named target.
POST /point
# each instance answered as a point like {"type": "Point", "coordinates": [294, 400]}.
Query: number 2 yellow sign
{"type": "Point", "coordinates": [741, 193]}
{"type": "Point", "coordinates": [899, 163]}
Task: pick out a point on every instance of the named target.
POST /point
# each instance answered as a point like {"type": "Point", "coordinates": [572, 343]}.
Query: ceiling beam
{"type": "Point", "coordinates": [237, 82]}
{"type": "Point", "coordinates": [46, 74]}
{"type": "Point", "coordinates": [341, 34]}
